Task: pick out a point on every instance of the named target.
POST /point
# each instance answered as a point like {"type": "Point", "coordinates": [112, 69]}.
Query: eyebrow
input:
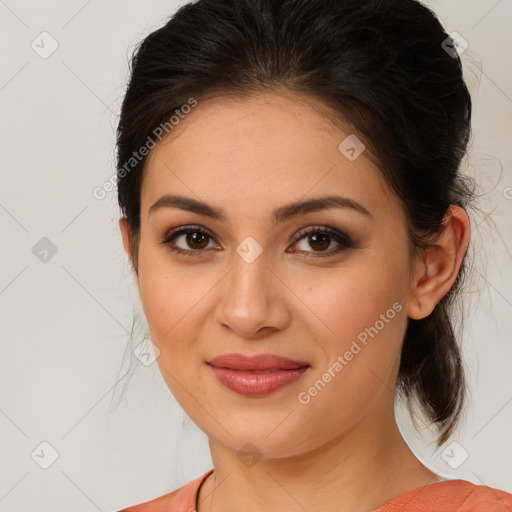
{"type": "Point", "coordinates": [279, 215]}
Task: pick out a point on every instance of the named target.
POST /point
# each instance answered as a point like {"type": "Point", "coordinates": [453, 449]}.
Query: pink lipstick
{"type": "Point", "coordinates": [257, 375]}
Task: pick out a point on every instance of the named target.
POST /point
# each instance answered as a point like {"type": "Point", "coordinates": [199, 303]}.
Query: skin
{"type": "Point", "coordinates": [342, 451]}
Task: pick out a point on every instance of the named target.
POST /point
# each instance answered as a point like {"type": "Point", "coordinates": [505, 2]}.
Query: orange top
{"type": "Point", "coordinates": [448, 496]}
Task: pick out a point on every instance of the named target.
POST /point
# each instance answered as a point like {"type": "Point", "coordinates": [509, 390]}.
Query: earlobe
{"type": "Point", "coordinates": [440, 264]}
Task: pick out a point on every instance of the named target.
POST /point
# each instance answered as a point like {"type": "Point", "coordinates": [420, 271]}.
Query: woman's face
{"type": "Point", "coordinates": [250, 285]}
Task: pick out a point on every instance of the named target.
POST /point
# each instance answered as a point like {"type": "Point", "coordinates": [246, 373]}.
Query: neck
{"type": "Point", "coordinates": [356, 472]}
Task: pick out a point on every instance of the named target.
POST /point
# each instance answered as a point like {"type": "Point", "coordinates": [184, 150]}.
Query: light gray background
{"type": "Point", "coordinates": [64, 323]}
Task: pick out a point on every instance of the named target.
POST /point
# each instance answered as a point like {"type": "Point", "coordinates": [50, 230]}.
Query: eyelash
{"type": "Point", "coordinates": [344, 241]}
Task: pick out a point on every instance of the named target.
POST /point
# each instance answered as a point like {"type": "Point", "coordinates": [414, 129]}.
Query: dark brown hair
{"type": "Point", "coordinates": [381, 66]}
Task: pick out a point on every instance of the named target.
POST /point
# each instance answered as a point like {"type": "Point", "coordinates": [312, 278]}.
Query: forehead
{"type": "Point", "coordinates": [257, 152]}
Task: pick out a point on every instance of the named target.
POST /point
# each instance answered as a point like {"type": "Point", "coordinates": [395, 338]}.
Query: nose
{"type": "Point", "coordinates": [253, 302]}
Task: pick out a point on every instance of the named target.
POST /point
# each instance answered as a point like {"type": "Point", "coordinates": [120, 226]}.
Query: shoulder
{"type": "Point", "coordinates": [451, 496]}
{"type": "Point", "coordinates": [180, 500]}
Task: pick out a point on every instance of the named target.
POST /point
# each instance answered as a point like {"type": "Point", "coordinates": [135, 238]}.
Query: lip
{"type": "Point", "coordinates": [256, 363]}
{"type": "Point", "coordinates": [256, 376]}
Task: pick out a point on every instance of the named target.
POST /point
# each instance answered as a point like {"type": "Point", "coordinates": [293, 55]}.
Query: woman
{"type": "Point", "coordinates": [293, 211]}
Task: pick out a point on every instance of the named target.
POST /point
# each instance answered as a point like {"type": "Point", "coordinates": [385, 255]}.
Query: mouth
{"type": "Point", "coordinates": [256, 376]}
{"type": "Point", "coordinates": [258, 363]}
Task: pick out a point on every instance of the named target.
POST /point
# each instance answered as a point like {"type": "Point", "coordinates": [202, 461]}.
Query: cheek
{"type": "Point", "coordinates": [346, 301]}
{"type": "Point", "coordinates": [363, 322]}
{"type": "Point", "coordinates": [167, 298]}
{"type": "Point", "coordinates": [360, 360]}
{"type": "Point", "coordinates": [172, 304]}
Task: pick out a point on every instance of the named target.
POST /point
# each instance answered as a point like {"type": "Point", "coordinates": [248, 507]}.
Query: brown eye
{"type": "Point", "coordinates": [321, 239]}
{"type": "Point", "coordinates": [196, 239]}
{"type": "Point", "coordinates": [191, 240]}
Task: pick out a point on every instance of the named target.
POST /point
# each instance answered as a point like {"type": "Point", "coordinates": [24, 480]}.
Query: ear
{"type": "Point", "coordinates": [439, 267]}
{"type": "Point", "coordinates": [126, 234]}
